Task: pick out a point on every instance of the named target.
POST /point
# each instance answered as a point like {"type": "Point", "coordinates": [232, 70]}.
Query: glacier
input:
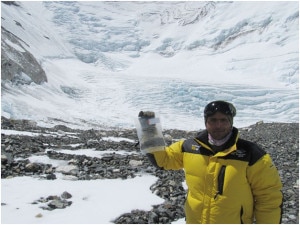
{"type": "Point", "coordinates": [106, 61]}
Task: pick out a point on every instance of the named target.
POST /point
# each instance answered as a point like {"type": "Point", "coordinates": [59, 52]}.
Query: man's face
{"type": "Point", "coordinates": [218, 125]}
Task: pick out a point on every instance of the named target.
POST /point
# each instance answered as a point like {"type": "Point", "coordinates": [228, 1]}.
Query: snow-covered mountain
{"type": "Point", "coordinates": [91, 64]}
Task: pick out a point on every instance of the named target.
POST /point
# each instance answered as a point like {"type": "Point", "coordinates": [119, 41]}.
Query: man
{"type": "Point", "coordinates": [230, 180]}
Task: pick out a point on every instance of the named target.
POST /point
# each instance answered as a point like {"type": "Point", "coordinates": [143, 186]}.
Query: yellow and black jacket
{"type": "Point", "coordinates": [237, 185]}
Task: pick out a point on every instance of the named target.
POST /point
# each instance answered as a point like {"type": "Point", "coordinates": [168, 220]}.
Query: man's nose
{"type": "Point", "coordinates": [218, 123]}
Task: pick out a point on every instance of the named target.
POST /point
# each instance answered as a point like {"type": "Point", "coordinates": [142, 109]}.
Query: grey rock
{"type": "Point", "coordinates": [68, 170]}
{"type": "Point", "coordinates": [66, 195]}
{"type": "Point", "coordinates": [59, 204]}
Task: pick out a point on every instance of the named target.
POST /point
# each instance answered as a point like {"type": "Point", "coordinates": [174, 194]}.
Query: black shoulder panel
{"type": "Point", "coordinates": [255, 152]}
{"type": "Point", "coordinates": [191, 146]}
{"type": "Point", "coordinates": [246, 151]}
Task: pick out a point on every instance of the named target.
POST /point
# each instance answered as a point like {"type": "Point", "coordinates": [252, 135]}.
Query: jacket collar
{"type": "Point", "coordinates": [203, 138]}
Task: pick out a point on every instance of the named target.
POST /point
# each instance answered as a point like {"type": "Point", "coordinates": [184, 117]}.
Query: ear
{"type": "Point", "coordinates": [205, 122]}
{"type": "Point", "coordinates": [230, 118]}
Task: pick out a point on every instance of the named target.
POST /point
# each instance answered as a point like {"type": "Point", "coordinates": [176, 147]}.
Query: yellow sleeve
{"type": "Point", "coordinates": [171, 158]}
{"type": "Point", "coordinates": [266, 187]}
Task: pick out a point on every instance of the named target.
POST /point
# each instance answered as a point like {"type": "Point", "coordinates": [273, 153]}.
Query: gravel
{"type": "Point", "coordinates": [281, 140]}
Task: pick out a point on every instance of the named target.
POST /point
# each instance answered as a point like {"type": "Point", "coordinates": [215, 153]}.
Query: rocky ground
{"type": "Point", "coordinates": [281, 140]}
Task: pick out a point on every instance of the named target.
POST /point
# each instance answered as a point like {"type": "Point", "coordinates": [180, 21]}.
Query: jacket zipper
{"type": "Point", "coordinates": [221, 178]}
{"type": "Point", "coordinates": [241, 214]}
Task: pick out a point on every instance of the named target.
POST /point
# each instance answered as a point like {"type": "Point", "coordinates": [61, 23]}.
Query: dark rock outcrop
{"type": "Point", "coordinates": [18, 65]}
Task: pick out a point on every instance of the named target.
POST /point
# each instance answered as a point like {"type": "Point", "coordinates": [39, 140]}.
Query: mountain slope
{"type": "Point", "coordinates": [113, 59]}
